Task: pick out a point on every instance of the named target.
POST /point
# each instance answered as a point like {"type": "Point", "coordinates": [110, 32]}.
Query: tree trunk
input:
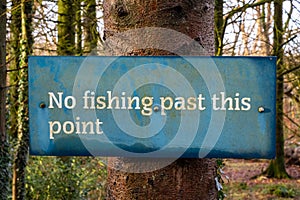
{"type": "Point", "coordinates": [78, 29]}
{"type": "Point", "coordinates": [68, 11]}
{"type": "Point", "coordinates": [91, 34]}
{"type": "Point", "coordinates": [219, 27]}
{"type": "Point", "coordinates": [266, 23]}
{"type": "Point", "coordinates": [184, 178]}
{"type": "Point", "coordinates": [276, 168]}
{"type": "Point", "coordinates": [21, 153]}
{"type": "Point", "coordinates": [66, 27]}
{"type": "Point", "coordinates": [14, 46]}
{"type": "Point", "coordinates": [4, 155]}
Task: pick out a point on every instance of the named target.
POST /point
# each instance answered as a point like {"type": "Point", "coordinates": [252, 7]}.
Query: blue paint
{"type": "Point", "coordinates": [197, 127]}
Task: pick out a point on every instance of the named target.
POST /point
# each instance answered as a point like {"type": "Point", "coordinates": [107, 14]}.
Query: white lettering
{"type": "Point", "coordinates": [52, 98]}
{"type": "Point", "coordinates": [166, 103]}
{"type": "Point", "coordinates": [51, 127]}
{"type": "Point", "coordinates": [147, 103]}
{"type": "Point", "coordinates": [246, 103]}
{"type": "Point", "coordinates": [77, 127]}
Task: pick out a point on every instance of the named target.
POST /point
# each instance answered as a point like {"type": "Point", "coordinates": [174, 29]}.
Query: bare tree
{"type": "Point", "coordinates": [252, 23]}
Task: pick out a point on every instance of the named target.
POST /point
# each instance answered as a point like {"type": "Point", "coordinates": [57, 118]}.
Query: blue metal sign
{"type": "Point", "coordinates": [153, 106]}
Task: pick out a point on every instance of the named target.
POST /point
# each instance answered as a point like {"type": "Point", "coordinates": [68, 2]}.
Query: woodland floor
{"type": "Point", "coordinates": [241, 184]}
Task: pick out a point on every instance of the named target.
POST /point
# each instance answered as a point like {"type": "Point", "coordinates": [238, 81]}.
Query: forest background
{"type": "Point", "coordinates": [73, 27]}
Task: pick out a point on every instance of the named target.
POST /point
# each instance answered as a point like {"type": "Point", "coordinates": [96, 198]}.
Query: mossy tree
{"type": "Point", "coordinates": [91, 35]}
{"type": "Point", "coordinates": [22, 143]}
{"type": "Point", "coordinates": [4, 155]}
{"type": "Point", "coordinates": [276, 168]}
{"type": "Point", "coordinates": [14, 66]}
{"type": "Point", "coordinates": [66, 27]}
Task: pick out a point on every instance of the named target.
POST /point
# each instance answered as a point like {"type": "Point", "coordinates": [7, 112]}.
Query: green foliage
{"type": "Point", "coordinates": [242, 186]}
{"type": "Point", "coordinates": [21, 149]}
{"type": "Point", "coordinates": [282, 191]}
{"type": "Point", "coordinates": [220, 163]}
{"type": "Point", "coordinates": [65, 178]}
{"type": "Point", "coordinates": [219, 179]}
{"type": "Point", "coordinates": [4, 170]}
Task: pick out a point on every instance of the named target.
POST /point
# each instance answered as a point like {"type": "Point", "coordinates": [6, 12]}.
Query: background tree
{"type": "Point", "coordinates": [65, 177]}
{"type": "Point", "coordinates": [21, 154]}
{"type": "Point", "coordinates": [66, 27]}
{"type": "Point", "coordinates": [219, 27]}
{"type": "Point", "coordinates": [68, 43]}
{"type": "Point", "coordinates": [249, 28]}
{"type": "Point", "coordinates": [85, 176]}
{"type": "Point", "coordinates": [185, 178]}
{"type": "Point", "coordinates": [14, 56]}
{"type": "Point", "coordinates": [235, 25]}
{"type": "Point", "coordinates": [277, 166]}
{"type": "Point", "coordinates": [91, 35]}
{"type": "Point", "coordinates": [13, 75]}
{"type": "Point", "coordinates": [4, 155]}
{"type": "Point", "coordinates": [246, 28]}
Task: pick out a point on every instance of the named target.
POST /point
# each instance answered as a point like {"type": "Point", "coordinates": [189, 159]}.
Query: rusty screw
{"type": "Point", "coordinates": [42, 105]}
{"type": "Point", "coordinates": [156, 108]}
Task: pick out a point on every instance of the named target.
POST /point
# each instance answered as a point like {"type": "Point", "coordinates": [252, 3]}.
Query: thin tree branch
{"type": "Point", "coordinates": [288, 71]}
{"type": "Point", "coordinates": [290, 119]}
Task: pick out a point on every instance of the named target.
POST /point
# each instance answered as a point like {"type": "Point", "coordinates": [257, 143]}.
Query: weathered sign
{"type": "Point", "coordinates": [153, 106]}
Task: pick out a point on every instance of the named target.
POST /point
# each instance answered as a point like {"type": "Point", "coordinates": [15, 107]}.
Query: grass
{"type": "Point", "coordinates": [241, 186]}
{"type": "Point", "coordinates": [261, 191]}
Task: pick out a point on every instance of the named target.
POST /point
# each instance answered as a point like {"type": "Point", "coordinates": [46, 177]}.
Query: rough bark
{"type": "Point", "coordinates": [192, 18]}
{"type": "Point", "coordinates": [14, 47]}
{"type": "Point", "coordinates": [21, 153]}
{"type": "Point", "coordinates": [66, 27]}
{"type": "Point", "coordinates": [185, 178]}
{"type": "Point", "coordinates": [276, 168]}
{"type": "Point", "coordinates": [91, 34]}
{"type": "Point", "coordinates": [4, 155]}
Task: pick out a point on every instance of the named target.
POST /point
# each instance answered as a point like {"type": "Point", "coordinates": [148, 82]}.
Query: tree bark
{"type": "Point", "coordinates": [185, 178]}
{"type": "Point", "coordinates": [14, 46]}
{"type": "Point", "coordinates": [219, 27]}
{"type": "Point", "coordinates": [66, 27]}
{"type": "Point", "coordinates": [276, 168]}
{"type": "Point", "coordinates": [91, 34]}
{"type": "Point", "coordinates": [21, 154]}
{"type": "Point", "coordinates": [68, 16]}
{"type": "Point", "coordinates": [78, 29]}
{"type": "Point", "coordinates": [4, 155]}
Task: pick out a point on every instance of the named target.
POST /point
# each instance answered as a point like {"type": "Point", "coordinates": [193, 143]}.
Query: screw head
{"type": "Point", "coordinates": [156, 108]}
{"type": "Point", "coordinates": [261, 109]}
{"type": "Point", "coordinates": [42, 105]}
